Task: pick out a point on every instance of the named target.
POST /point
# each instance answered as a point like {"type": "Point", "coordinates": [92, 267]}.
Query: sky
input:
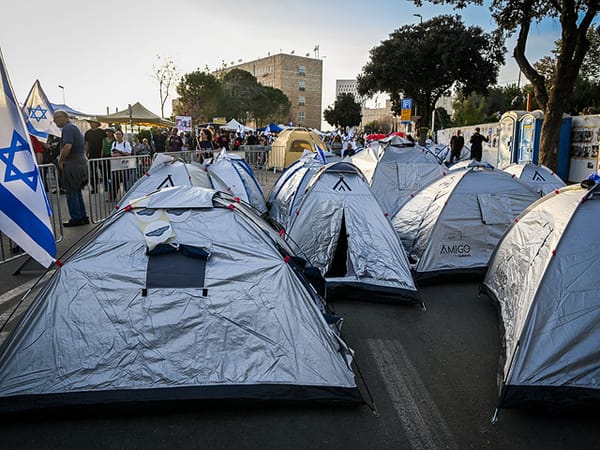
{"type": "Point", "coordinates": [103, 53]}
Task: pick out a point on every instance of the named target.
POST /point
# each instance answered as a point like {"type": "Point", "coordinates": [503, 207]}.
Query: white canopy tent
{"type": "Point", "coordinates": [234, 125]}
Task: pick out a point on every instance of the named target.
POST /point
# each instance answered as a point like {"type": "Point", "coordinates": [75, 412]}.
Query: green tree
{"type": "Point", "coordinates": [345, 112]}
{"type": "Point", "coordinates": [442, 119]}
{"type": "Point", "coordinates": [468, 110]}
{"type": "Point", "coordinates": [272, 106]}
{"type": "Point", "coordinates": [377, 126]}
{"type": "Point", "coordinates": [200, 96]}
{"type": "Point", "coordinates": [586, 93]}
{"type": "Point", "coordinates": [234, 95]}
{"type": "Point", "coordinates": [242, 93]}
{"type": "Point", "coordinates": [475, 108]}
{"type": "Point", "coordinates": [424, 61]}
{"type": "Point", "coordinates": [518, 16]}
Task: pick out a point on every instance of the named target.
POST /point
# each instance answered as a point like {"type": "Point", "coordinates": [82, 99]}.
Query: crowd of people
{"type": "Point", "coordinates": [72, 152]}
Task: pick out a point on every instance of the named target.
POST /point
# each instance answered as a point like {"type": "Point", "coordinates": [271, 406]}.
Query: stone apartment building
{"type": "Point", "coordinates": [300, 78]}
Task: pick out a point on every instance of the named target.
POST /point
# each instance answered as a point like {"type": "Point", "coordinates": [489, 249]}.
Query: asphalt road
{"type": "Point", "coordinates": [431, 375]}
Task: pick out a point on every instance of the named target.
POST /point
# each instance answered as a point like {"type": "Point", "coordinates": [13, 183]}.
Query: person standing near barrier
{"type": "Point", "coordinates": [121, 147]}
{"type": "Point", "coordinates": [160, 141]}
{"type": "Point", "coordinates": [223, 141]}
{"type": "Point", "coordinates": [72, 165]}
{"type": "Point", "coordinates": [93, 139]}
{"type": "Point", "coordinates": [174, 141]}
{"type": "Point", "coordinates": [476, 145]}
{"type": "Point", "coordinates": [457, 142]}
{"type": "Point", "coordinates": [107, 144]}
{"type": "Point", "coordinates": [205, 145]}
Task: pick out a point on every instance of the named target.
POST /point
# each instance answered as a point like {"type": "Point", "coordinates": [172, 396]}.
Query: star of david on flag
{"type": "Point", "coordinates": [39, 114]}
{"type": "Point", "coordinates": [24, 208]}
{"type": "Point", "coordinates": [321, 154]}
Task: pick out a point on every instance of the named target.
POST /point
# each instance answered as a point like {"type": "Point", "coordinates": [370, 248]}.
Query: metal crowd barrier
{"type": "Point", "coordinates": [109, 179]}
{"type": "Point", "coordinates": [9, 250]}
{"type": "Point", "coordinates": [257, 157]}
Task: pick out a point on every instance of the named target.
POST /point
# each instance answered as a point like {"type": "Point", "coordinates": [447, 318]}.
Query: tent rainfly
{"type": "Point", "coordinates": [288, 190]}
{"type": "Point", "coordinates": [541, 178]}
{"type": "Point", "coordinates": [544, 276]}
{"type": "Point", "coordinates": [396, 170]}
{"type": "Point", "coordinates": [231, 173]}
{"type": "Point", "coordinates": [452, 226]}
{"type": "Point", "coordinates": [167, 171]}
{"type": "Point", "coordinates": [340, 228]}
{"type": "Point", "coordinates": [184, 295]}
{"type": "Point", "coordinates": [227, 173]}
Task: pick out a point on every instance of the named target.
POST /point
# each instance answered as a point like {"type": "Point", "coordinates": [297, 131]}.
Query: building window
{"type": "Point", "coordinates": [301, 85]}
{"type": "Point", "coordinates": [302, 70]}
{"type": "Point", "coordinates": [300, 116]}
{"type": "Point", "coordinates": [301, 100]}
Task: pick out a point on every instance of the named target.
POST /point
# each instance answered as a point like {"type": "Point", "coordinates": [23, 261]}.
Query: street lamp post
{"type": "Point", "coordinates": [420, 18]}
{"type": "Point", "coordinates": [63, 93]}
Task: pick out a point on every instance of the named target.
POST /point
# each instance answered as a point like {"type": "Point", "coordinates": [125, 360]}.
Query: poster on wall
{"type": "Point", "coordinates": [585, 140]}
{"type": "Point", "coordinates": [183, 123]}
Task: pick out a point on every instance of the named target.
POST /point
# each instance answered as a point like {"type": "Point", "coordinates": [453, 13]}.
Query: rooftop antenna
{"type": "Point", "coordinates": [316, 50]}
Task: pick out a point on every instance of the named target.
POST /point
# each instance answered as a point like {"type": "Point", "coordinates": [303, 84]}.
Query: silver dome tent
{"type": "Point", "coordinates": [452, 226]}
{"type": "Point", "coordinates": [397, 169]}
{"type": "Point", "coordinates": [544, 277]}
{"type": "Point", "coordinates": [340, 228]}
{"type": "Point", "coordinates": [183, 294]}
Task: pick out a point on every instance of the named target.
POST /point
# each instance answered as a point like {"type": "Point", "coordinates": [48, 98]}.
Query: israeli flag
{"type": "Point", "coordinates": [24, 208]}
{"type": "Point", "coordinates": [320, 154]}
{"type": "Point", "coordinates": [39, 114]}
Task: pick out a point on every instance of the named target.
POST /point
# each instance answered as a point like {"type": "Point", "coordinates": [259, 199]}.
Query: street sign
{"type": "Point", "coordinates": [405, 111]}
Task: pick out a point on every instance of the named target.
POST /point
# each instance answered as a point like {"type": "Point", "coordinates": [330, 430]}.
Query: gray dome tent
{"type": "Point", "coordinates": [541, 178]}
{"type": "Point", "coordinates": [340, 228]}
{"type": "Point", "coordinates": [167, 171]}
{"type": "Point", "coordinates": [452, 226]}
{"type": "Point", "coordinates": [544, 276]}
{"type": "Point", "coordinates": [288, 190]}
{"type": "Point", "coordinates": [226, 172]}
{"type": "Point", "coordinates": [396, 169]}
{"type": "Point", "coordinates": [232, 174]}
{"type": "Point", "coordinates": [161, 304]}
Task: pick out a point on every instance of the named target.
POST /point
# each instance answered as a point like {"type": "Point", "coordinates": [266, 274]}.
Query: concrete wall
{"type": "Point", "coordinates": [584, 150]}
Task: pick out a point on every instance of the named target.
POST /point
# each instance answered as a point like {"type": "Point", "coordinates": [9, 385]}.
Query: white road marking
{"type": "Point", "coordinates": [18, 292]}
{"type": "Point", "coordinates": [419, 416]}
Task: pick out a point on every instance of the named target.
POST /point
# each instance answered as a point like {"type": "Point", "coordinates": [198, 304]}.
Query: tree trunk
{"type": "Point", "coordinates": [550, 137]}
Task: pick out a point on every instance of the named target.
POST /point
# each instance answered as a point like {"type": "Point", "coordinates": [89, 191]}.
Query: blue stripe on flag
{"type": "Point", "coordinates": [35, 132]}
{"type": "Point", "coordinates": [24, 218]}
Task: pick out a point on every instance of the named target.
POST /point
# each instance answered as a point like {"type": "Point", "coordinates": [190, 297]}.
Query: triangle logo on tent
{"type": "Point", "coordinates": [167, 182]}
{"type": "Point", "coordinates": [341, 186]}
{"type": "Point", "coordinates": [538, 176]}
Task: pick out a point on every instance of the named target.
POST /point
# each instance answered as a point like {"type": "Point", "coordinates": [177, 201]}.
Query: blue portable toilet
{"type": "Point", "coordinates": [529, 136]}
{"type": "Point", "coordinates": [508, 139]}
{"type": "Point", "coordinates": [530, 125]}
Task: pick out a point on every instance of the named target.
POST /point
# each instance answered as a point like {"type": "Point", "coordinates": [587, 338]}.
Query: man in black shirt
{"type": "Point", "coordinates": [476, 148]}
{"type": "Point", "coordinates": [457, 142]}
{"type": "Point", "coordinates": [251, 139]}
{"type": "Point", "coordinates": [93, 148]}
